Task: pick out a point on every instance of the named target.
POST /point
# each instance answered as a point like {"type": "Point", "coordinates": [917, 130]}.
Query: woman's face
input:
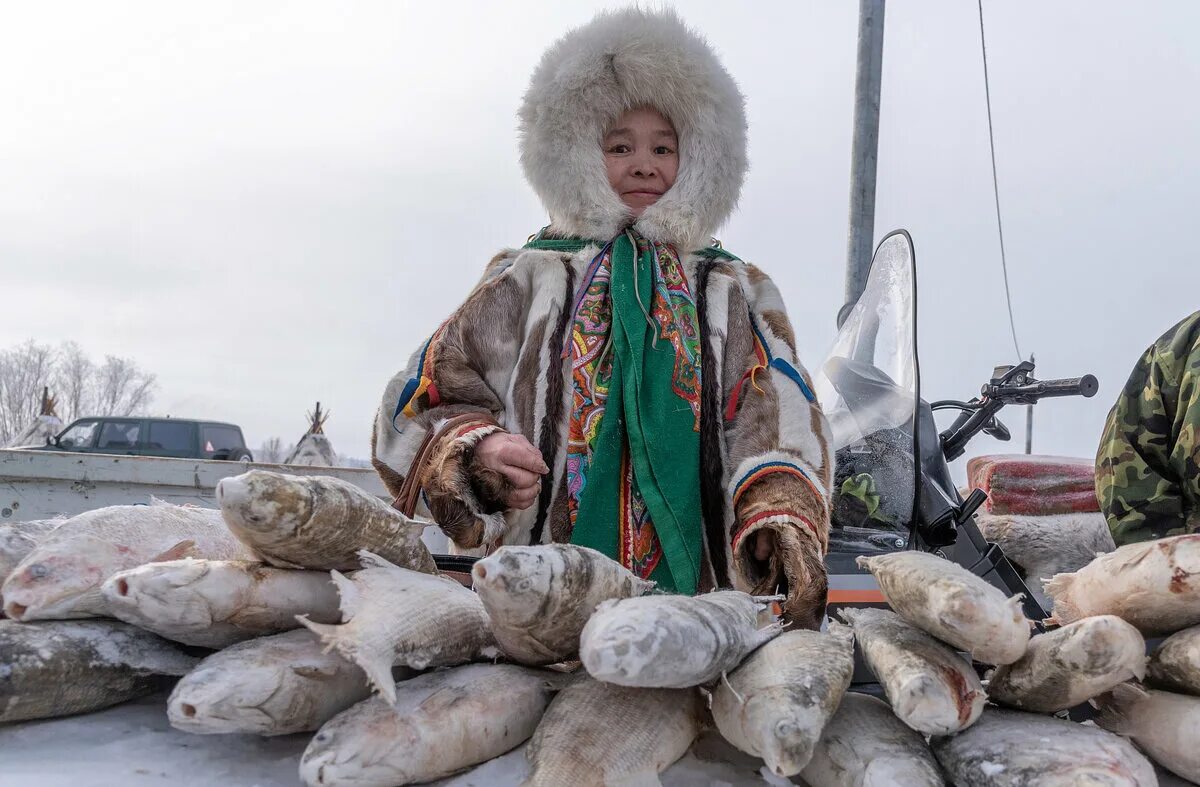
{"type": "Point", "coordinates": [641, 154]}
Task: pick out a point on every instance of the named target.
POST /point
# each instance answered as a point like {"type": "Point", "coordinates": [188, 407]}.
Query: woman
{"type": "Point", "coordinates": [622, 382]}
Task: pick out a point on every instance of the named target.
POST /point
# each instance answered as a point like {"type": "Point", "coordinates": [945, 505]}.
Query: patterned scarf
{"type": "Point", "coordinates": [633, 446]}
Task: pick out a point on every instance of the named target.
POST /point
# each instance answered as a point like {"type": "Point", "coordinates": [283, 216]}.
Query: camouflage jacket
{"type": "Point", "coordinates": [1148, 465]}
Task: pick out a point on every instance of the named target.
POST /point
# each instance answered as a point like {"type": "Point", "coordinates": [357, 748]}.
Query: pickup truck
{"type": "Point", "coordinates": [170, 437]}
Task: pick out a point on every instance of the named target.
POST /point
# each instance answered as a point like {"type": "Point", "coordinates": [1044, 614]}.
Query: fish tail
{"type": "Point", "coordinates": [769, 632]}
{"type": "Point", "coordinates": [863, 561]}
{"type": "Point", "coordinates": [1114, 707]}
{"type": "Point", "coordinates": [348, 600]}
{"type": "Point", "coordinates": [329, 634]}
{"type": "Point", "coordinates": [848, 614]}
{"type": "Point", "coordinates": [841, 631]}
{"type": "Point", "coordinates": [379, 673]}
{"type": "Point", "coordinates": [1058, 588]}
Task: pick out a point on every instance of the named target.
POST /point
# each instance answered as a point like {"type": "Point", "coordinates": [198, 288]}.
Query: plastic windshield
{"type": "Point", "coordinates": [868, 387]}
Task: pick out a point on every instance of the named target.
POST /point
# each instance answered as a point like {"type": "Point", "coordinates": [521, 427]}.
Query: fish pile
{"type": "Point", "coordinates": [322, 612]}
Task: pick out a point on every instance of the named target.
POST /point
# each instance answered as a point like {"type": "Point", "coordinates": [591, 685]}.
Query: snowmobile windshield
{"type": "Point", "coordinates": [868, 387]}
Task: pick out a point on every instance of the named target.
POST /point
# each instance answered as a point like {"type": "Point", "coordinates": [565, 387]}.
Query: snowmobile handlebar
{"type": "Point", "coordinates": [1032, 390]}
{"type": "Point", "coordinates": [1009, 385]}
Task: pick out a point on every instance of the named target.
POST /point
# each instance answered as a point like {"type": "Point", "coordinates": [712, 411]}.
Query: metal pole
{"type": "Point", "coordinates": [864, 154]}
{"type": "Point", "coordinates": [1029, 423]}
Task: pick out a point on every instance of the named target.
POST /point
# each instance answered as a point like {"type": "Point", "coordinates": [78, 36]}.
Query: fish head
{"type": "Point", "coordinates": [265, 504]}
{"type": "Point", "coordinates": [618, 649]}
{"type": "Point", "coordinates": [786, 731]}
{"type": "Point", "coordinates": [516, 581]}
{"type": "Point", "coordinates": [175, 592]}
{"type": "Point", "coordinates": [351, 750]}
{"type": "Point", "coordinates": [234, 695]}
{"type": "Point", "coordinates": [53, 581]}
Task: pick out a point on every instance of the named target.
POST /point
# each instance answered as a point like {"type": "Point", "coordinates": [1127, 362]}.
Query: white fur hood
{"type": "Point", "coordinates": [586, 79]}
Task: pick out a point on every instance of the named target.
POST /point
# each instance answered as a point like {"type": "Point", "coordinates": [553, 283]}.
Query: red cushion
{"type": "Point", "coordinates": [1033, 484]}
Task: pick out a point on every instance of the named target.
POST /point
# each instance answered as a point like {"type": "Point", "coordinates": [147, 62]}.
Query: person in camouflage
{"type": "Point", "coordinates": [1148, 464]}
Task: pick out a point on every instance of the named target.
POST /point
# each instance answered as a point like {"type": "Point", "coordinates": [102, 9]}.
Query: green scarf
{"type": "Point", "coordinates": [651, 417]}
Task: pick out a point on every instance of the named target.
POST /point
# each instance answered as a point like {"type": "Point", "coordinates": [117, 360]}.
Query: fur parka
{"type": "Point", "coordinates": [765, 458]}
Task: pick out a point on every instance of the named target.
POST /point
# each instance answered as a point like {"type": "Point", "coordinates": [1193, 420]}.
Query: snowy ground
{"type": "Point", "coordinates": [133, 746]}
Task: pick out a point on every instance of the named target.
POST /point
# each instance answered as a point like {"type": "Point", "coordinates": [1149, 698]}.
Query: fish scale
{"type": "Point", "coordinates": [540, 597]}
{"type": "Point", "coordinates": [1070, 665]}
{"type": "Point", "coordinates": [273, 685]}
{"type": "Point", "coordinates": [215, 603]}
{"type": "Point", "coordinates": [777, 702]}
{"type": "Point", "coordinates": [318, 522]}
{"type": "Point", "coordinates": [930, 687]}
{"type": "Point", "coordinates": [667, 641]}
{"type": "Point", "coordinates": [61, 577]}
{"type": "Point", "coordinates": [441, 722]}
{"type": "Point", "coordinates": [57, 668]}
{"type": "Point", "coordinates": [394, 616]}
{"type": "Point", "coordinates": [597, 733]}
{"type": "Point", "coordinates": [1015, 749]}
{"type": "Point", "coordinates": [954, 605]}
{"type": "Point", "coordinates": [865, 745]}
{"type": "Point", "coordinates": [1155, 585]}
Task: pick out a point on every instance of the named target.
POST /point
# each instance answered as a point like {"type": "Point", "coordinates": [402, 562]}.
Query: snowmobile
{"type": "Point", "coordinates": [892, 484]}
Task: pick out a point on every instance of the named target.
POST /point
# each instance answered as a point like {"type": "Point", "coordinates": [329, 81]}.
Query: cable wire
{"type": "Point", "coordinates": [996, 185]}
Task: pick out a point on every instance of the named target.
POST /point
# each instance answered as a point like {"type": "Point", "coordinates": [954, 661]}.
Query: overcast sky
{"type": "Point", "coordinates": [267, 204]}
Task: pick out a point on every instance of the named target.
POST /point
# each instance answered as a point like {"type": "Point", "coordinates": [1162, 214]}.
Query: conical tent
{"type": "Point", "coordinates": [314, 448]}
{"type": "Point", "coordinates": [42, 428]}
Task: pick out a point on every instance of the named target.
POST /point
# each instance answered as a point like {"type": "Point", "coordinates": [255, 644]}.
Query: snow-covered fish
{"type": "Point", "coordinates": [597, 734]}
{"type": "Point", "coordinates": [318, 522]}
{"type": "Point", "coordinates": [61, 577]}
{"type": "Point", "coordinates": [865, 745]}
{"type": "Point", "coordinates": [442, 722]}
{"type": "Point", "coordinates": [1153, 584]}
{"type": "Point", "coordinates": [776, 704]}
{"type": "Point", "coordinates": [1008, 748]}
{"type": "Point", "coordinates": [1048, 544]}
{"type": "Point", "coordinates": [1070, 665]}
{"type": "Point", "coordinates": [1175, 663]}
{"type": "Point", "coordinates": [540, 597]}
{"type": "Point", "coordinates": [394, 616]}
{"type": "Point", "coordinates": [58, 668]}
{"type": "Point", "coordinates": [1162, 724]}
{"type": "Point", "coordinates": [215, 603]}
{"type": "Point", "coordinates": [930, 687]}
{"type": "Point", "coordinates": [951, 603]}
{"type": "Point", "coordinates": [273, 685]}
{"type": "Point", "coordinates": [672, 642]}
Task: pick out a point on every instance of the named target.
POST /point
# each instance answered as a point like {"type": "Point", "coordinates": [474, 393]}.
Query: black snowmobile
{"type": "Point", "coordinates": [892, 485]}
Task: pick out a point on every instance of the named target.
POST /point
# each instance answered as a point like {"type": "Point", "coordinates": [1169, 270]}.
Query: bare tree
{"type": "Point", "coordinates": [116, 387]}
{"type": "Point", "coordinates": [273, 451]}
{"type": "Point", "coordinates": [122, 388]}
{"type": "Point", "coordinates": [73, 382]}
{"type": "Point", "coordinates": [24, 371]}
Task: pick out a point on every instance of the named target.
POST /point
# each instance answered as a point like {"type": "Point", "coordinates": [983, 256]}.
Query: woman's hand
{"type": "Point", "coordinates": [515, 458]}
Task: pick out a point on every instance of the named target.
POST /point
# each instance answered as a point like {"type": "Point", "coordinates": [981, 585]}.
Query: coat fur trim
{"type": "Point", "coordinates": [585, 80]}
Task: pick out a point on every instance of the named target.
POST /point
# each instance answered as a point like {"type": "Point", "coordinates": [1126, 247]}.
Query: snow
{"type": "Point", "coordinates": [132, 745]}
{"type": "Point", "coordinates": [991, 768]}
